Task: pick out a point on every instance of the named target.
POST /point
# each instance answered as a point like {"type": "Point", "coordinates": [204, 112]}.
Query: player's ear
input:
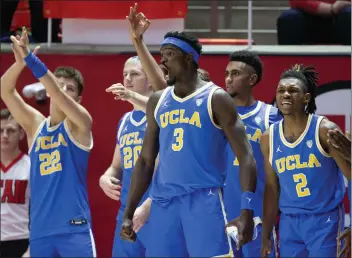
{"type": "Point", "coordinates": [307, 97]}
{"type": "Point", "coordinates": [22, 133]}
{"type": "Point", "coordinates": [79, 99]}
{"type": "Point", "coordinates": [253, 79]}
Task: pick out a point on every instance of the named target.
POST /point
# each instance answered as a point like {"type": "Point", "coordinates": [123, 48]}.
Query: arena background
{"type": "Point", "coordinates": [102, 70]}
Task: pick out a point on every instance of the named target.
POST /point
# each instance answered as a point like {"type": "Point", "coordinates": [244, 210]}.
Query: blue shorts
{"type": "Point", "coordinates": [64, 245]}
{"type": "Point", "coordinates": [189, 225]}
{"type": "Point", "coordinates": [310, 235]}
{"type": "Point", "coordinates": [123, 248]}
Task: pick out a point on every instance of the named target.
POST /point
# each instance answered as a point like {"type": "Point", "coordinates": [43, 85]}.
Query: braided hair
{"type": "Point", "coordinates": [309, 76]}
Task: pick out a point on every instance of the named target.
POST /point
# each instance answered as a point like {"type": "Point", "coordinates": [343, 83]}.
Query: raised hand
{"type": "Point", "coordinates": [20, 46]}
{"type": "Point", "coordinates": [120, 92]}
{"type": "Point", "coordinates": [138, 23]}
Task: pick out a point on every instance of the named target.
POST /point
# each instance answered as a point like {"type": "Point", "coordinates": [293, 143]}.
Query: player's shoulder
{"type": "Point", "coordinates": [325, 125]}
{"type": "Point", "coordinates": [155, 97]}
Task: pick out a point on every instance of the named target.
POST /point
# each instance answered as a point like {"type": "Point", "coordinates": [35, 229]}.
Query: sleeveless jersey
{"type": "Point", "coordinates": [310, 180]}
{"type": "Point", "coordinates": [130, 137]}
{"type": "Point", "coordinates": [14, 185]}
{"type": "Point", "coordinates": [256, 119]}
{"type": "Point", "coordinates": [59, 199]}
{"type": "Point", "coordinates": [192, 152]}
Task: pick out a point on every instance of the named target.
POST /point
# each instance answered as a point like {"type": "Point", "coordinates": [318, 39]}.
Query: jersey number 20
{"type": "Point", "coordinates": [131, 155]}
{"type": "Point", "coordinates": [50, 163]}
{"type": "Point", "coordinates": [301, 186]}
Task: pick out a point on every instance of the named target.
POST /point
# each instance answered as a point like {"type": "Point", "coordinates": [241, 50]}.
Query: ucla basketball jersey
{"type": "Point", "coordinates": [256, 119]}
{"type": "Point", "coordinates": [58, 182]}
{"type": "Point", "coordinates": [309, 178]}
{"type": "Point", "coordinates": [130, 139]}
{"type": "Point", "coordinates": [192, 153]}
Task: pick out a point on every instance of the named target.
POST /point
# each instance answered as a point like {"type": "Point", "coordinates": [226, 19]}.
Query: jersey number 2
{"type": "Point", "coordinates": [178, 134]}
{"type": "Point", "coordinates": [50, 163]}
{"type": "Point", "coordinates": [301, 186]}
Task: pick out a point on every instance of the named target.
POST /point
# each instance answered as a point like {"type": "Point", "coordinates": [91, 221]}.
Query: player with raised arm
{"type": "Point", "coordinates": [243, 72]}
{"type": "Point", "coordinates": [59, 148]}
{"type": "Point", "coordinates": [190, 123]}
{"type": "Point", "coordinates": [130, 134]}
{"type": "Point", "coordinates": [303, 177]}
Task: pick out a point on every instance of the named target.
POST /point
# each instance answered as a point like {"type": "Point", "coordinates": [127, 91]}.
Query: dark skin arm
{"type": "Point", "coordinates": [226, 117]}
{"type": "Point", "coordinates": [271, 196]}
{"type": "Point", "coordinates": [341, 142]}
{"type": "Point", "coordinates": [143, 171]}
{"type": "Point", "coordinates": [343, 164]}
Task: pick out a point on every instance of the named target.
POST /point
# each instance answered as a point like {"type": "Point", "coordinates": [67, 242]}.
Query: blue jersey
{"type": "Point", "coordinates": [256, 119]}
{"type": "Point", "coordinates": [130, 137]}
{"type": "Point", "coordinates": [58, 179]}
{"type": "Point", "coordinates": [310, 180]}
{"type": "Point", "coordinates": [192, 152]}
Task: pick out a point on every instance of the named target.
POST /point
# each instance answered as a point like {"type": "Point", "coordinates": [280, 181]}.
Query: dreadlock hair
{"type": "Point", "coordinates": [309, 76]}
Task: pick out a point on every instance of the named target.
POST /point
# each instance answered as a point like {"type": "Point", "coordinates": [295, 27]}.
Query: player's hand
{"type": "Point", "coordinates": [138, 23]}
{"type": "Point", "coordinates": [21, 43]}
{"type": "Point", "coordinates": [140, 217]}
{"type": "Point", "coordinates": [127, 232]}
{"type": "Point", "coordinates": [346, 237]}
{"type": "Point", "coordinates": [339, 5]}
{"type": "Point", "coordinates": [341, 142]}
{"type": "Point", "coordinates": [265, 248]}
{"type": "Point", "coordinates": [111, 187]}
{"type": "Point", "coordinates": [245, 227]}
{"type": "Point", "coordinates": [120, 92]}
{"type": "Point", "coordinates": [16, 49]}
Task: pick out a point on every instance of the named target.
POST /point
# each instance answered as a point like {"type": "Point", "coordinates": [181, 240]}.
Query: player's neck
{"type": "Point", "coordinates": [8, 156]}
{"type": "Point", "coordinates": [244, 101]}
{"type": "Point", "coordinates": [56, 115]}
{"type": "Point", "coordinates": [295, 124]}
{"type": "Point", "coordinates": [186, 85]}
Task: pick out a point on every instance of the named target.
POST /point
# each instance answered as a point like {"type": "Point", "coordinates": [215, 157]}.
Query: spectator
{"type": "Point", "coordinates": [38, 23]}
{"type": "Point", "coordinates": [315, 22]}
{"type": "Point", "coordinates": [14, 184]}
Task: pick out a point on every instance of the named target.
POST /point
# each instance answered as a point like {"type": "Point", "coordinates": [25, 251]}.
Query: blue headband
{"type": "Point", "coordinates": [182, 45]}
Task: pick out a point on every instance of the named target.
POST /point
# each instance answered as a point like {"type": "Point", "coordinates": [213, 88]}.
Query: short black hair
{"type": "Point", "coordinates": [309, 76]}
{"type": "Point", "coordinates": [250, 58]}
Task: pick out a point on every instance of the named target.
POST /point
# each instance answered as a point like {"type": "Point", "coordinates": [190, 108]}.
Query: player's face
{"type": "Point", "coordinates": [239, 78]}
{"type": "Point", "coordinates": [11, 134]}
{"type": "Point", "coordinates": [134, 77]}
{"type": "Point", "coordinates": [174, 61]}
{"type": "Point", "coordinates": [70, 86]}
{"type": "Point", "coordinates": [291, 96]}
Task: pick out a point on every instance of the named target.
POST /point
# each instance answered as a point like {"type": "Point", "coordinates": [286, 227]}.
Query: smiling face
{"type": "Point", "coordinates": [292, 96]}
{"type": "Point", "coordinates": [175, 62]}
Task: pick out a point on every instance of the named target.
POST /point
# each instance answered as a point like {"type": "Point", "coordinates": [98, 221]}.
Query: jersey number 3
{"type": "Point", "coordinates": [178, 134]}
{"type": "Point", "coordinates": [301, 186]}
{"type": "Point", "coordinates": [50, 163]}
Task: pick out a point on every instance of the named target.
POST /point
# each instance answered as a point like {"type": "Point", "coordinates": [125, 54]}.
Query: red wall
{"type": "Point", "coordinates": [100, 71]}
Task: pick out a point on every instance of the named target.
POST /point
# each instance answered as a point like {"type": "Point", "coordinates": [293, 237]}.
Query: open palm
{"type": "Point", "coordinates": [138, 23]}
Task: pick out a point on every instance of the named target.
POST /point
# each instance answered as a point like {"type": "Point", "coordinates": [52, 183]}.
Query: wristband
{"type": "Point", "coordinates": [37, 67]}
{"type": "Point", "coordinates": [247, 201]}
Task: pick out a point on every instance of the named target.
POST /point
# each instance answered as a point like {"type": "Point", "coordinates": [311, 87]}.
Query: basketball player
{"type": "Point", "coordinates": [191, 123]}
{"type": "Point", "coordinates": [131, 130]}
{"type": "Point", "coordinates": [243, 72]}
{"type": "Point", "coordinates": [302, 173]}
{"type": "Point", "coordinates": [14, 183]}
{"type": "Point", "coordinates": [59, 148]}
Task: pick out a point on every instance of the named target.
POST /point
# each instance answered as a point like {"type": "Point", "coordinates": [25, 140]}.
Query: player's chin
{"type": "Point", "coordinates": [171, 81]}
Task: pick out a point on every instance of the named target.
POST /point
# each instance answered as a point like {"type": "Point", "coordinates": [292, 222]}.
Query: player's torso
{"type": "Point", "coordinates": [310, 180]}
{"type": "Point", "coordinates": [256, 121]}
{"type": "Point", "coordinates": [130, 137]}
{"type": "Point", "coordinates": [58, 181]}
{"type": "Point", "coordinates": [192, 148]}
{"type": "Point", "coordinates": [14, 185]}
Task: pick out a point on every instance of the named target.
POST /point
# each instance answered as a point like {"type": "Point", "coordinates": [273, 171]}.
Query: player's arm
{"type": "Point", "coordinates": [271, 192]}
{"type": "Point", "coordinates": [343, 164]}
{"type": "Point", "coordinates": [28, 117]}
{"type": "Point", "coordinates": [144, 169]}
{"type": "Point", "coordinates": [109, 182]}
{"type": "Point", "coordinates": [227, 118]}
